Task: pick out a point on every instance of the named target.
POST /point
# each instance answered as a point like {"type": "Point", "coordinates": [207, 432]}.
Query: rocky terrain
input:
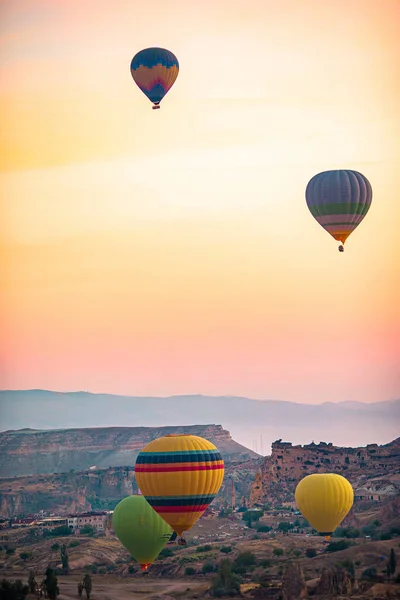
{"type": "Point", "coordinates": [33, 452]}
{"type": "Point", "coordinates": [270, 565]}
{"type": "Point", "coordinates": [83, 480]}
{"type": "Point", "coordinates": [374, 471]}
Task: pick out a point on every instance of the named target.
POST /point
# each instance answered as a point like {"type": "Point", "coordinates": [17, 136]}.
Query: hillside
{"type": "Point", "coordinates": [31, 452]}
{"type": "Point", "coordinates": [350, 423]}
{"type": "Point", "coordinates": [374, 471]}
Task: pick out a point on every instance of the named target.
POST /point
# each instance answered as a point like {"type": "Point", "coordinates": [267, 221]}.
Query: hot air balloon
{"type": "Point", "coordinates": [339, 200]}
{"type": "Point", "coordinates": [324, 499]}
{"type": "Point", "coordinates": [139, 528]}
{"type": "Point", "coordinates": [155, 70]}
{"type": "Point", "coordinates": [179, 475]}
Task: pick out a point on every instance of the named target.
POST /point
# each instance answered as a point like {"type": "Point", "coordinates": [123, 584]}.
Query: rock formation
{"type": "Point", "coordinates": [293, 584]}
{"type": "Point", "coordinates": [370, 469]}
{"type": "Point", "coordinates": [334, 583]}
{"type": "Point", "coordinates": [84, 485]}
{"type": "Point", "coordinates": [31, 452]}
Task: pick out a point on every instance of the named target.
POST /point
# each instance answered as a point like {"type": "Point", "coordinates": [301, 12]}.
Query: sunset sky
{"type": "Point", "coordinates": [172, 251]}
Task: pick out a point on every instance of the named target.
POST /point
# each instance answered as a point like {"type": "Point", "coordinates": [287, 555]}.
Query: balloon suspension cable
{"type": "Point", "coordinates": [341, 248]}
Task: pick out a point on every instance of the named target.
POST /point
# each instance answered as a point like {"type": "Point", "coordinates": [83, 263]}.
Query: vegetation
{"type": "Point", "coordinates": [190, 571]}
{"type": "Point", "coordinates": [205, 548]}
{"type": "Point", "coordinates": [277, 551]}
{"type": "Point", "coordinates": [311, 552]}
{"type": "Point", "coordinates": [64, 559]}
{"type": "Point", "coordinates": [61, 531]}
{"type": "Point", "coordinates": [226, 549]}
{"type": "Point", "coordinates": [226, 583]}
{"type": "Point", "coordinates": [51, 584]}
{"type": "Point", "coordinates": [264, 529]}
{"type": "Point", "coordinates": [391, 564]}
{"type": "Point", "coordinates": [25, 555]}
{"type": "Point", "coordinates": [88, 530]}
{"type": "Point", "coordinates": [87, 584]}
{"type": "Point", "coordinates": [251, 516]}
{"type": "Point", "coordinates": [32, 582]}
{"type": "Point", "coordinates": [13, 590]}
{"type": "Point", "coordinates": [337, 546]}
{"type": "Point", "coordinates": [208, 567]}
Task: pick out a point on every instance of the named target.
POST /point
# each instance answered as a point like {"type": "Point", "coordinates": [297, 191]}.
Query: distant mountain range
{"type": "Point", "coordinates": [253, 423]}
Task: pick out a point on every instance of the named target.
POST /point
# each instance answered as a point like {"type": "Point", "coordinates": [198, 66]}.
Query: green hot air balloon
{"type": "Point", "coordinates": [140, 529]}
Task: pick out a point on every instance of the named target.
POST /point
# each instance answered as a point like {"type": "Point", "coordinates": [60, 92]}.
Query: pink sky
{"type": "Point", "coordinates": [170, 252]}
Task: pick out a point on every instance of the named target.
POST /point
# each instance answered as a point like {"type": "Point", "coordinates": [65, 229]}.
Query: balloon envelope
{"type": "Point", "coordinates": [180, 475]}
{"type": "Point", "coordinates": [324, 499]}
{"type": "Point", "coordinates": [154, 70]}
{"type": "Point", "coordinates": [339, 201]}
{"type": "Point", "coordinates": [140, 529]}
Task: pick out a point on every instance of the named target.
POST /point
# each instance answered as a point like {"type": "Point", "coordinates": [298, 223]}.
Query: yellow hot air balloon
{"type": "Point", "coordinates": [179, 476]}
{"type": "Point", "coordinates": [324, 499]}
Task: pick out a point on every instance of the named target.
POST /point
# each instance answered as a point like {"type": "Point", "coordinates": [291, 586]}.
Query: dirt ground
{"type": "Point", "coordinates": [108, 587]}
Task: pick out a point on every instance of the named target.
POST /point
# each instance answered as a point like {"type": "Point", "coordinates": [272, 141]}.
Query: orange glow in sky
{"type": "Point", "coordinates": [169, 252]}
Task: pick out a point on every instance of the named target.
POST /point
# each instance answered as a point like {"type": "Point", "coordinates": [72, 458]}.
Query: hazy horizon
{"type": "Point", "coordinates": [173, 250]}
{"type": "Point", "coordinates": [195, 394]}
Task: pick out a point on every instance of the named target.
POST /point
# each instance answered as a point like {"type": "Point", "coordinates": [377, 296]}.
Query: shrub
{"type": "Point", "coordinates": [370, 574]}
{"type": "Point", "coordinates": [245, 559]}
{"type": "Point", "coordinates": [74, 544]}
{"type": "Point", "coordinates": [205, 548]}
{"type": "Point", "coordinates": [56, 546]}
{"type": "Point", "coordinates": [10, 551]}
{"type": "Point", "coordinates": [190, 571]}
{"type": "Point", "coordinates": [284, 526]}
{"type": "Point", "coordinates": [166, 552]}
{"type": "Point", "coordinates": [226, 583]}
{"type": "Point", "coordinates": [88, 530]}
{"type": "Point", "coordinates": [263, 529]}
{"type": "Point", "coordinates": [266, 562]}
{"type": "Point", "coordinates": [63, 530]}
{"type": "Point", "coordinates": [25, 555]}
{"type": "Point", "coordinates": [277, 551]}
{"type": "Point", "coordinates": [337, 546]}
{"type": "Point", "coordinates": [226, 549]}
{"type": "Point", "coordinates": [208, 567]}
{"type": "Point", "coordinates": [311, 552]}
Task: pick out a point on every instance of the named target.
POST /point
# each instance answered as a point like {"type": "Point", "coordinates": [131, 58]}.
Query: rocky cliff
{"type": "Point", "coordinates": [33, 452]}
{"type": "Point", "coordinates": [373, 470]}
{"type": "Point", "coordinates": [64, 493]}
{"type": "Point", "coordinates": [76, 470]}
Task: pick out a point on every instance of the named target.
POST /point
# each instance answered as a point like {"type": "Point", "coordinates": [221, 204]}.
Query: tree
{"type": "Point", "coordinates": [278, 551]}
{"type": "Point", "coordinates": [80, 589]}
{"type": "Point", "coordinates": [225, 549]}
{"type": "Point", "coordinates": [25, 555]}
{"type": "Point", "coordinates": [64, 559]}
{"type": "Point", "coordinates": [311, 552]}
{"type": "Point", "coordinates": [226, 583]}
{"type": "Point", "coordinates": [284, 526]}
{"type": "Point", "coordinates": [32, 582]}
{"type": "Point", "coordinates": [87, 584]}
{"type": "Point", "coordinates": [51, 584]}
{"type": "Point", "coordinates": [13, 590]}
{"type": "Point", "coordinates": [391, 564]}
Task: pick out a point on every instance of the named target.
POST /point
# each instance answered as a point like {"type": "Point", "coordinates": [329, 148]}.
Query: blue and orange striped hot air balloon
{"type": "Point", "coordinates": [339, 200]}
{"type": "Point", "coordinates": [179, 476]}
{"type": "Point", "coordinates": [154, 70]}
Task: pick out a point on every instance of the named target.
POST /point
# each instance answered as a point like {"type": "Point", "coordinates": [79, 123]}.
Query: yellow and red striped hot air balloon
{"type": "Point", "coordinates": [179, 475]}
